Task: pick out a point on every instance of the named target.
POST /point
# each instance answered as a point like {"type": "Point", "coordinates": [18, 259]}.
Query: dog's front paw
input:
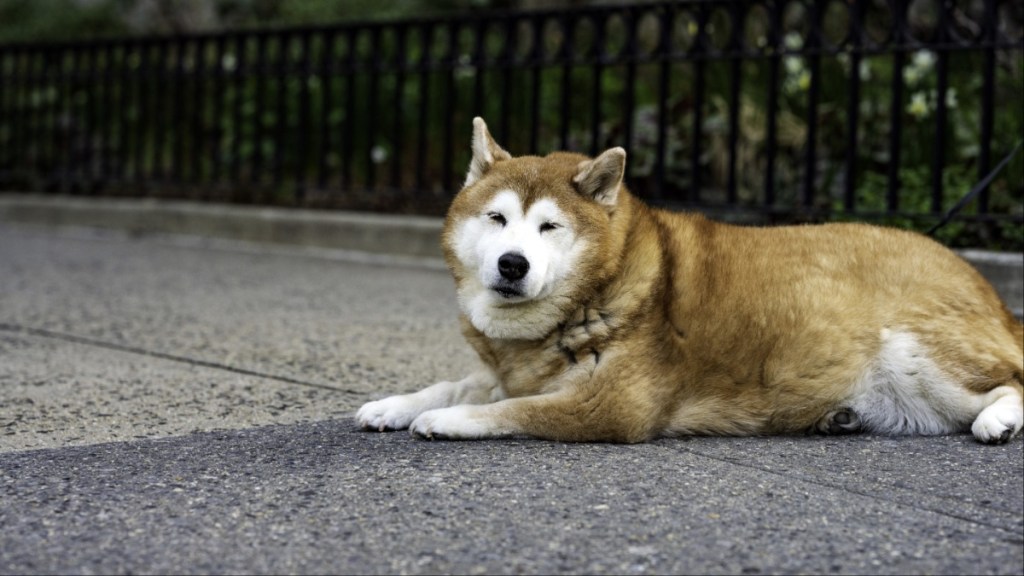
{"type": "Point", "coordinates": [454, 423]}
{"type": "Point", "coordinates": [393, 413]}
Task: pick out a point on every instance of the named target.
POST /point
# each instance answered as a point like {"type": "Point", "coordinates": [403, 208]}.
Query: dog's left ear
{"type": "Point", "coordinates": [485, 152]}
{"type": "Point", "coordinates": [601, 177]}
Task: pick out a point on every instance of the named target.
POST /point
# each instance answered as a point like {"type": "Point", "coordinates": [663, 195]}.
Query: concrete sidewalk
{"type": "Point", "coordinates": [173, 404]}
{"type": "Point", "coordinates": [364, 237]}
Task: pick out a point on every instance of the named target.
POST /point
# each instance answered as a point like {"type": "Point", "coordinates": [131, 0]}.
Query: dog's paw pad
{"type": "Point", "coordinates": [843, 421]}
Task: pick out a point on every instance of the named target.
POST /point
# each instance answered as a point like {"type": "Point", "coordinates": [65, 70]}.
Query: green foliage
{"type": "Point", "coordinates": [915, 197]}
{"type": "Point", "coordinates": [237, 118]}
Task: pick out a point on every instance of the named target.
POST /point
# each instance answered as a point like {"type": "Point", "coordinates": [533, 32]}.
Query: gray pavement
{"type": "Point", "coordinates": [173, 404]}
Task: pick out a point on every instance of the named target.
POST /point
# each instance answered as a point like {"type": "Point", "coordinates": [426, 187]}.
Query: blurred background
{"type": "Point", "coordinates": [753, 111]}
{"type": "Point", "coordinates": [73, 19]}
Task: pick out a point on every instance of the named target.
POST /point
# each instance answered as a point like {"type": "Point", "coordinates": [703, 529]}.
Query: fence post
{"type": "Point", "coordinates": [853, 107]}
{"type": "Point", "coordinates": [771, 114]}
{"type": "Point", "coordinates": [988, 40]}
{"type": "Point", "coordinates": [814, 67]}
{"type": "Point", "coordinates": [698, 53]}
{"type": "Point", "coordinates": [898, 35]}
{"type": "Point", "coordinates": [664, 52]}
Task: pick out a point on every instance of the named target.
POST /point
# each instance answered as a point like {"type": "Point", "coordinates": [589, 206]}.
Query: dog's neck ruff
{"type": "Point", "coordinates": [533, 320]}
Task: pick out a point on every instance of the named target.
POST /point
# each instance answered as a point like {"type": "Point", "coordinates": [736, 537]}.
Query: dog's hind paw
{"type": "Point", "coordinates": [989, 429]}
{"type": "Point", "coordinates": [1000, 420]}
{"type": "Point", "coordinates": [841, 421]}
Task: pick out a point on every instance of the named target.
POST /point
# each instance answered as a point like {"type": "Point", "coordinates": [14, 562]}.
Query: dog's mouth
{"type": "Point", "coordinates": [508, 292]}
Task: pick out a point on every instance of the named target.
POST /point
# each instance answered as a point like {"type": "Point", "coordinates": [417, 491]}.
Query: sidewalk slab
{"type": "Point", "coordinates": [169, 406]}
{"type": "Point", "coordinates": [56, 393]}
{"type": "Point", "coordinates": [323, 498]}
{"type": "Point", "coordinates": [76, 307]}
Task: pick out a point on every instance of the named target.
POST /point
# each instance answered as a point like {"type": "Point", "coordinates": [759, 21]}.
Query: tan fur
{"type": "Point", "coordinates": [681, 325]}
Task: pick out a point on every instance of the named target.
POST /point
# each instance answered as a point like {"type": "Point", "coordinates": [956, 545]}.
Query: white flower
{"type": "Point", "coordinates": [918, 107]}
{"type": "Point", "coordinates": [912, 75]}
{"type": "Point", "coordinates": [378, 154]}
{"type": "Point", "coordinates": [951, 101]}
{"type": "Point", "coordinates": [792, 41]}
{"type": "Point", "coordinates": [921, 64]}
{"type": "Point", "coordinates": [923, 59]}
{"type": "Point", "coordinates": [228, 62]}
{"type": "Point", "coordinates": [865, 70]}
{"type": "Point", "coordinates": [793, 66]}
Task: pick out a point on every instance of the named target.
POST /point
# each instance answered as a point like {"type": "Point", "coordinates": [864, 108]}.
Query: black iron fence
{"type": "Point", "coordinates": [774, 110]}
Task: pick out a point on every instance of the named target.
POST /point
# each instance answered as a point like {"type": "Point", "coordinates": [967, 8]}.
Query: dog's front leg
{"type": "Point", "coordinates": [589, 409]}
{"type": "Point", "coordinates": [397, 412]}
{"type": "Point", "coordinates": [566, 416]}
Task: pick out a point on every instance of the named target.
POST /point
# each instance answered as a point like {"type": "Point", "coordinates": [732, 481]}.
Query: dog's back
{"type": "Point", "coordinates": [800, 322]}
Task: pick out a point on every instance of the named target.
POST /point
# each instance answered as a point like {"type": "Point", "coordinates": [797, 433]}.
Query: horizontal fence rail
{"type": "Point", "coordinates": [764, 110]}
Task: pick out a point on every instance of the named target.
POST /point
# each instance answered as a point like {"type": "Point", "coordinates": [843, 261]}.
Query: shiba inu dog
{"type": "Point", "coordinates": [598, 318]}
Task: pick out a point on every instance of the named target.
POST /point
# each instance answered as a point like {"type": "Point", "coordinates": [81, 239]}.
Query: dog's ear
{"type": "Point", "coordinates": [485, 152]}
{"type": "Point", "coordinates": [601, 177]}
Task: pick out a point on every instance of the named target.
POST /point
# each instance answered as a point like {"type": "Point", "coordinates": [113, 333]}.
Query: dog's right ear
{"type": "Point", "coordinates": [485, 152]}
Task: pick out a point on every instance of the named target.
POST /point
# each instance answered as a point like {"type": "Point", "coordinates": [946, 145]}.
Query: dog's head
{"type": "Point", "coordinates": [528, 237]}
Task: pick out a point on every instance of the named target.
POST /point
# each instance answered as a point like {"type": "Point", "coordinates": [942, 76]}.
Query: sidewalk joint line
{"type": "Point", "coordinates": [164, 356]}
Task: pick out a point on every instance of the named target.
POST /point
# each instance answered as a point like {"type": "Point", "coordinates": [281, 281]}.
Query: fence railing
{"type": "Point", "coordinates": [769, 109]}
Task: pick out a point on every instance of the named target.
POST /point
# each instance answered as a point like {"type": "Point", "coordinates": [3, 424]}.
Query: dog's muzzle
{"type": "Point", "coordinates": [513, 268]}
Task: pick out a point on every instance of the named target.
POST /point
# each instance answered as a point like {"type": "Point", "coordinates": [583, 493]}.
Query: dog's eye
{"type": "Point", "coordinates": [496, 217]}
{"type": "Point", "coordinates": [548, 226]}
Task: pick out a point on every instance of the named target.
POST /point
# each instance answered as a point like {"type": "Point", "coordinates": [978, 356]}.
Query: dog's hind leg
{"type": "Point", "coordinates": [397, 412]}
{"type": "Point", "coordinates": [1003, 414]}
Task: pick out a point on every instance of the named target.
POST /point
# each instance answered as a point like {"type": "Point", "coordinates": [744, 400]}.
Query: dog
{"type": "Point", "coordinates": [599, 318]}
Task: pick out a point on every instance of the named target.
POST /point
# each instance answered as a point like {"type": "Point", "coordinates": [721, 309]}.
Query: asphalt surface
{"type": "Point", "coordinates": [173, 405]}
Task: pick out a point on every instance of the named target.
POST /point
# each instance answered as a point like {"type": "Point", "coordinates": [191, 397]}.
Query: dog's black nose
{"type": "Point", "coordinates": [513, 266]}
